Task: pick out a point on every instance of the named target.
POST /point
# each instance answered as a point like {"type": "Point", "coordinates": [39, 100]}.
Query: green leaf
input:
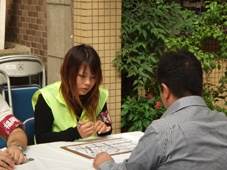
{"type": "Point", "coordinates": [225, 24]}
{"type": "Point", "coordinates": [124, 52]}
{"type": "Point", "coordinates": [135, 82]}
{"type": "Point", "coordinates": [136, 118]}
{"type": "Point", "coordinates": [138, 88]}
{"type": "Point", "coordinates": [142, 100]}
{"type": "Point", "coordinates": [206, 64]}
{"type": "Point", "coordinates": [140, 123]}
{"type": "Point", "coordinates": [212, 65]}
{"type": "Point", "coordinates": [151, 100]}
{"type": "Point", "coordinates": [140, 109]}
{"type": "Point", "coordinates": [147, 114]}
{"type": "Point", "coordinates": [117, 61]}
{"type": "Point", "coordinates": [219, 66]}
{"type": "Point", "coordinates": [140, 128]}
{"type": "Point", "coordinates": [124, 106]}
{"type": "Point", "coordinates": [146, 106]}
{"type": "Point", "coordinates": [135, 68]}
{"type": "Point", "coordinates": [123, 123]}
{"type": "Point", "coordinates": [224, 55]}
{"type": "Point", "coordinates": [142, 74]}
{"type": "Point", "coordinates": [131, 129]}
{"type": "Point", "coordinates": [129, 60]}
{"type": "Point", "coordinates": [148, 68]}
{"type": "Point", "coordinates": [131, 116]}
{"type": "Point", "coordinates": [123, 112]}
{"type": "Point", "coordinates": [220, 39]}
{"type": "Point", "coordinates": [153, 59]}
{"type": "Point", "coordinates": [145, 34]}
{"type": "Point", "coordinates": [215, 36]}
{"type": "Point", "coordinates": [162, 37]}
{"type": "Point", "coordinates": [131, 73]}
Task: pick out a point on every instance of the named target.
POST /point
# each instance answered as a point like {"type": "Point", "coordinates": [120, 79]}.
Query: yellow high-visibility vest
{"type": "Point", "coordinates": [61, 113]}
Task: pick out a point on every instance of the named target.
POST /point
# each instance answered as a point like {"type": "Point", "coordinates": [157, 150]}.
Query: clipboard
{"type": "Point", "coordinates": [111, 146]}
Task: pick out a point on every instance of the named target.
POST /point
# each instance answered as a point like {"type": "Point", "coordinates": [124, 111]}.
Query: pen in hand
{"type": "Point", "coordinates": [79, 123]}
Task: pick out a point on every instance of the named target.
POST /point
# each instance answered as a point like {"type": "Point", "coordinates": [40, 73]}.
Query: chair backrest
{"type": "Point", "coordinates": [22, 66]}
{"type": "Point", "coordinates": [3, 143]}
{"type": "Point", "coordinates": [21, 99]}
{"type": "Point", "coordinates": [29, 128]}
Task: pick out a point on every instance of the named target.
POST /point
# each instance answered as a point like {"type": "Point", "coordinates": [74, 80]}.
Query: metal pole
{"type": "Point", "coordinates": [2, 23]}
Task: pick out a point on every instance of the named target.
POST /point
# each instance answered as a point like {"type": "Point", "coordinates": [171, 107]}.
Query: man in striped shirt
{"type": "Point", "coordinates": [188, 135]}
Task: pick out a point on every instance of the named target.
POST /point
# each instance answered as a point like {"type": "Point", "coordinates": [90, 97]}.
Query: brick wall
{"type": "Point", "coordinates": [26, 24]}
{"type": "Point", "coordinates": [213, 77]}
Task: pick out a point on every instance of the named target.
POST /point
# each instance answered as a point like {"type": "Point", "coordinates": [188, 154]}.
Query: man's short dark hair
{"type": "Point", "coordinates": [181, 72]}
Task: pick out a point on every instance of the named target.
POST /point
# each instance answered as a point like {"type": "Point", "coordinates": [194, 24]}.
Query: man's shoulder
{"type": "Point", "coordinates": [187, 117]}
{"type": "Point", "coordinates": [158, 126]}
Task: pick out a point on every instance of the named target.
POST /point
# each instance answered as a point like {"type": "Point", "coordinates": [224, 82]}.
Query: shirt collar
{"type": "Point", "coordinates": [183, 103]}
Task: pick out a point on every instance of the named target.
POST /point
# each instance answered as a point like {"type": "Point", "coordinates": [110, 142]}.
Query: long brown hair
{"type": "Point", "coordinates": [76, 57]}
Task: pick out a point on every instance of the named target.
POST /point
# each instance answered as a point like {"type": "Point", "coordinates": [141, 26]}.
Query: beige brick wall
{"type": "Point", "coordinates": [97, 23]}
{"type": "Point", "coordinates": [212, 46]}
{"type": "Point", "coordinates": [214, 78]}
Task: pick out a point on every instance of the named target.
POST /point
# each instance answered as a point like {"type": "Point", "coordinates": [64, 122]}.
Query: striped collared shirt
{"type": "Point", "coordinates": [189, 136]}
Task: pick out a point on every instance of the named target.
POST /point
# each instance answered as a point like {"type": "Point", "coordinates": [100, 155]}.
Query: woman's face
{"type": "Point", "coordinates": [85, 80]}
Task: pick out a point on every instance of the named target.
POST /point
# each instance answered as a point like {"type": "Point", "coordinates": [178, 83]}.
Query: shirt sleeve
{"type": "Point", "coordinates": [108, 123]}
{"type": "Point", "coordinates": [145, 155]}
{"type": "Point", "coordinates": [43, 125]}
{"type": "Point", "coordinates": [7, 121]}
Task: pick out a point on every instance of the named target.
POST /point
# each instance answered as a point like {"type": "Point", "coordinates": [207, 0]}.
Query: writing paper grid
{"type": "Point", "coordinates": [112, 147]}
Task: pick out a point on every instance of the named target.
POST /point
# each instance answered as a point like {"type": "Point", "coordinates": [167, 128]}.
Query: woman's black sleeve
{"type": "Point", "coordinates": [107, 133]}
{"type": "Point", "coordinates": [43, 125]}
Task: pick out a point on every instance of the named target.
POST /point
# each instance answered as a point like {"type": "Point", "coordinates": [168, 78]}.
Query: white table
{"type": "Point", "coordinates": [50, 156]}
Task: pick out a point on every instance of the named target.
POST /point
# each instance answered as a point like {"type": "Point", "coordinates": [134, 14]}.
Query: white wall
{"type": "Point", "coordinates": [2, 23]}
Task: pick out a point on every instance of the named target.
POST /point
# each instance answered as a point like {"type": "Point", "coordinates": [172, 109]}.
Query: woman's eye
{"type": "Point", "coordinates": [93, 77]}
{"type": "Point", "coordinates": [81, 75]}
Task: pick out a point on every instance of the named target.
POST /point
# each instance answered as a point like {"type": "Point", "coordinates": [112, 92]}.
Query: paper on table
{"type": "Point", "coordinates": [112, 147]}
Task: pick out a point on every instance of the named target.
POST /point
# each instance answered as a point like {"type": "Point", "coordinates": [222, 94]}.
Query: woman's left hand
{"type": "Point", "coordinates": [101, 127]}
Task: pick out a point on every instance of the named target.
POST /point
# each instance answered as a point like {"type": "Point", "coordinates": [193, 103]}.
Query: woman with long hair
{"type": "Point", "coordinates": [74, 107]}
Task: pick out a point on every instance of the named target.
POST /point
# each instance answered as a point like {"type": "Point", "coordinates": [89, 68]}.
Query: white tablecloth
{"type": "Point", "coordinates": [50, 156]}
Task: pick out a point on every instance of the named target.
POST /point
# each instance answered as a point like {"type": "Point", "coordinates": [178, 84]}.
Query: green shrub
{"type": "Point", "coordinates": [210, 27]}
{"type": "Point", "coordinates": [138, 113]}
{"type": "Point", "coordinates": [151, 27]}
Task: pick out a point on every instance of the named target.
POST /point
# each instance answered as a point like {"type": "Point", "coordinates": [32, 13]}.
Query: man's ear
{"type": "Point", "coordinates": [166, 91]}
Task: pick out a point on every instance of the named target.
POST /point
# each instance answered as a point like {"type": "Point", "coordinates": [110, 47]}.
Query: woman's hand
{"type": "Point", "coordinates": [6, 162]}
{"type": "Point", "coordinates": [16, 154]}
{"type": "Point", "coordinates": [86, 130]}
{"type": "Point", "coordinates": [101, 127]}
